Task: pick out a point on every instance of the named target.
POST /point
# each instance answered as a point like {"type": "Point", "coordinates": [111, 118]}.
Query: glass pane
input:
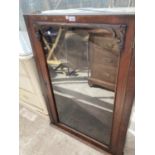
{"type": "Point", "coordinates": [83, 65]}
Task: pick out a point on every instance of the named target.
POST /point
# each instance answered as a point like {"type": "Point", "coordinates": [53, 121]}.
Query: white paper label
{"type": "Point", "coordinates": [71, 18]}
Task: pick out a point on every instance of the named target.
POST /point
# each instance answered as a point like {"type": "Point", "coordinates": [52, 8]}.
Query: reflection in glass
{"type": "Point", "coordinates": [83, 65]}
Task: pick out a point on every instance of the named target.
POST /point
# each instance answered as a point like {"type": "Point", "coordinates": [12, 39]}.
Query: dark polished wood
{"type": "Point", "coordinates": [125, 79]}
{"type": "Point", "coordinates": [122, 90]}
{"type": "Point", "coordinates": [126, 111]}
{"type": "Point", "coordinates": [84, 137]}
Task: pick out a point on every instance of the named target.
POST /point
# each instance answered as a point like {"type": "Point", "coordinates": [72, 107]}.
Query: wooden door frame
{"type": "Point", "coordinates": [125, 81]}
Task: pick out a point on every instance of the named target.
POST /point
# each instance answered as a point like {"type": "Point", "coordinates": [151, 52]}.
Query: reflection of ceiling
{"type": "Point", "coordinates": [85, 102]}
{"type": "Point", "coordinates": [96, 97]}
{"type": "Point", "coordinates": [81, 85]}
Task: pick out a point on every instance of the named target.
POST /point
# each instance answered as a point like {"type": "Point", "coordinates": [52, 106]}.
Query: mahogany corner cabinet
{"type": "Point", "coordinates": [85, 62]}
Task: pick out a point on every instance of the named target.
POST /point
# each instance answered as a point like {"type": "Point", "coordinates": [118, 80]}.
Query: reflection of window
{"type": "Point", "coordinates": [31, 6]}
{"type": "Point", "coordinates": [23, 36]}
{"type": "Point", "coordinates": [25, 43]}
